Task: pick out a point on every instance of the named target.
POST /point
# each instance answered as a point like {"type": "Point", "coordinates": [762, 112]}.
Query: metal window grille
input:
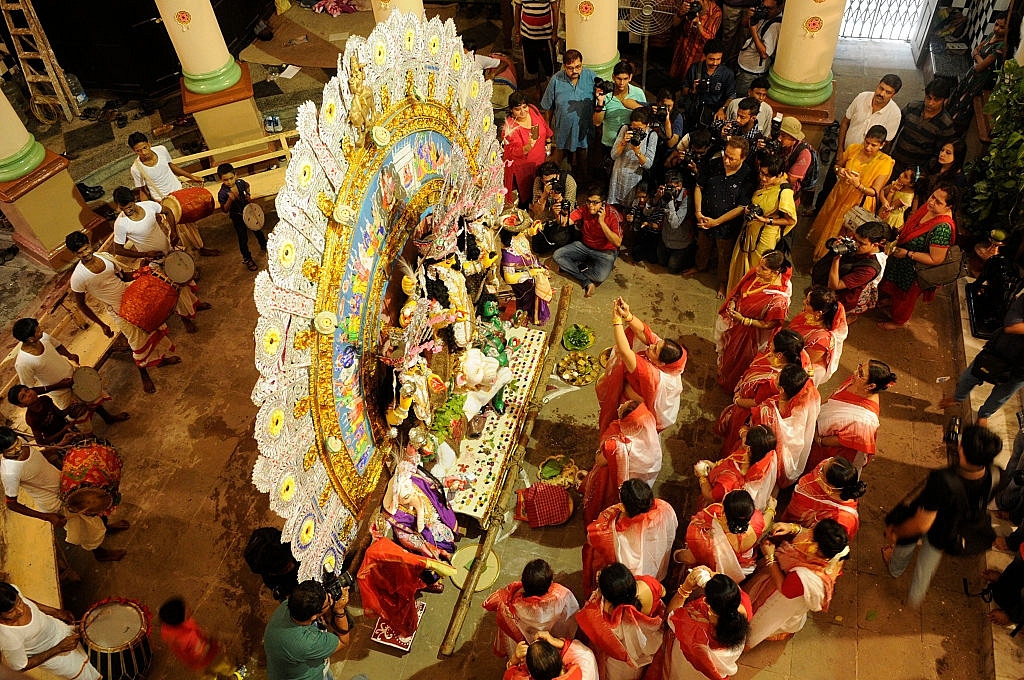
{"type": "Point", "coordinates": [881, 19]}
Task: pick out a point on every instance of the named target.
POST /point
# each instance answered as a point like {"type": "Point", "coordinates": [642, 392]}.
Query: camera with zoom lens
{"type": "Point", "coordinates": [702, 86]}
{"type": "Point", "coordinates": [841, 245]}
{"type": "Point", "coordinates": [335, 583]}
{"type": "Point", "coordinates": [602, 86]}
{"type": "Point", "coordinates": [770, 146]}
{"type": "Point", "coordinates": [753, 210]}
{"type": "Point", "coordinates": [555, 187]}
{"type": "Point", "coordinates": [695, 9]}
{"type": "Point", "coordinates": [637, 136]}
{"type": "Point", "coordinates": [730, 128]}
{"type": "Point", "coordinates": [759, 14]}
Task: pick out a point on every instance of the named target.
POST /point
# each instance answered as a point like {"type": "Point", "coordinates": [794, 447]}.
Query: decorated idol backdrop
{"type": "Point", "coordinates": [401, 155]}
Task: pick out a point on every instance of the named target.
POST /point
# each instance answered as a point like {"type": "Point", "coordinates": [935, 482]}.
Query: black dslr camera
{"type": "Point", "coordinates": [753, 210]}
{"type": "Point", "coordinates": [602, 86]}
{"type": "Point", "coordinates": [637, 136]}
{"type": "Point", "coordinates": [841, 245]}
{"type": "Point", "coordinates": [759, 14]}
{"type": "Point", "coordinates": [334, 583]}
{"type": "Point", "coordinates": [695, 9]}
{"type": "Point", "coordinates": [702, 86]}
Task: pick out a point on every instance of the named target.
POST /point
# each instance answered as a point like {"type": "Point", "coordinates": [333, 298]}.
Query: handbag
{"type": "Point", "coordinates": [991, 368]}
{"type": "Point", "coordinates": [971, 532]}
{"type": "Point", "coordinates": [934, 275]}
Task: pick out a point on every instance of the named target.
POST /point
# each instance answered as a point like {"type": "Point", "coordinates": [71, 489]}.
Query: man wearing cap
{"type": "Point", "coordinates": [797, 151]}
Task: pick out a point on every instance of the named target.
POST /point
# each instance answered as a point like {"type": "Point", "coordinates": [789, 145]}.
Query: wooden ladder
{"type": "Point", "coordinates": [48, 88]}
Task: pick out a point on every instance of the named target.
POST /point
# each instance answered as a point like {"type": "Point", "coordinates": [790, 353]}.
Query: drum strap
{"type": "Point", "coordinates": [150, 186]}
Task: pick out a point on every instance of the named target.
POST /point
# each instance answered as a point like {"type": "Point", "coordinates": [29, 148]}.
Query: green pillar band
{"type": "Point", "coordinates": [213, 81]}
{"type": "Point", "coordinates": [799, 94]}
{"type": "Point", "coordinates": [23, 161]}
{"type": "Point", "coordinates": [604, 70]}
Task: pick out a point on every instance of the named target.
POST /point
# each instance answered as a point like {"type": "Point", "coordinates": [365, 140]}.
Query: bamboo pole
{"type": "Point", "coordinates": [493, 521]}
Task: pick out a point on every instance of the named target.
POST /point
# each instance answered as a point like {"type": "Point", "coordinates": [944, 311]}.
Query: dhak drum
{"type": "Point", "coordinates": [149, 299]}
{"type": "Point", "coordinates": [179, 266]}
{"type": "Point", "coordinates": [90, 478]}
{"type": "Point", "coordinates": [253, 217]}
{"type": "Point", "coordinates": [189, 205]}
{"type": "Point", "coordinates": [116, 634]}
{"type": "Point", "coordinates": [86, 384]}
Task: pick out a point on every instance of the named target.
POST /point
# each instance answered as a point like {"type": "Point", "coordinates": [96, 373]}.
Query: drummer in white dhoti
{"type": "Point", "coordinates": [139, 224]}
{"type": "Point", "coordinates": [45, 365]}
{"type": "Point", "coordinates": [99, 277]}
{"type": "Point", "coordinates": [155, 178]}
{"type": "Point", "coordinates": [33, 634]}
{"type": "Point", "coordinates": [23, 467]}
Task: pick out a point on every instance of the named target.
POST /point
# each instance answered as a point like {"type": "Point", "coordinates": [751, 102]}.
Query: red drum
{"type": "Point", "coordinates": [148, 300]}
{"type": "Point", "coordinates": [190, 205]}
{"type": "Point", "coordinates": [90, 478]}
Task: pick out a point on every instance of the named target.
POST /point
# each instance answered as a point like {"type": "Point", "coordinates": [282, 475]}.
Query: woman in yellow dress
{"type": "Point", "coordinates": [762, 232]}
{"type": "Point", "coordinates": [861, 179]}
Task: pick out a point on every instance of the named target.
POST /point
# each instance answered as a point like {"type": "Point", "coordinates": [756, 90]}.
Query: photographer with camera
{"type": "Point", "coordinates": [554, 196]}
{"type": "Point", "coordinates": [633, 153]}
{"type": "Point", "coordinates": [708, 85]}
{"type": "Point", "coordinates": [676, 248]}
{"type": "Point", "coordinates": [801, 159]}
{"type": "Point", "coordinates": [853, 266]}
{"type": "Point", "coordinates": [691, 155]}
{"type": "Point", "coordinates": [695, 22]}
{"type": "Point", "coordinates": [759, 91]}
{"type": "Point", "coordinates": [770, 215]}
{"type": "Point", "coordinates": [743, 125]}
{"type": "Point", "coordinates": [755, 57]}
{"type": "Point", "coordinates": [305, 631]}
{"type": "Point", "coordinates": [613, 102]}
{"type": "Point", "coordinates": [667, 124]}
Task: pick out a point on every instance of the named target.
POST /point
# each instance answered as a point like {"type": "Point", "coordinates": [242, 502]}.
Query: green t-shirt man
{"type": "Point", "coordinates": [296, 652]}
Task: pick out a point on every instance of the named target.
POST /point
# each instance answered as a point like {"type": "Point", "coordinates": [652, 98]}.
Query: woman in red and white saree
{"type": "Point", "coordinates": [638, 532]}
{"type": "Point", "coordinates": [750, 316]}
{"type": "Point", "coordinates": [552, 657]}
{"type": "Point", "coordinates": [623, 621]}
{"type": "Point", "coordinates": [653, 376]}
{"type": "Point", "coordinates": [630, 447]}
{"type": "Point", "coordinates": [723, 536]}
{"type": "Point", "coordinates": [706, 635]}
{"type": "Point", "coordinates": [753, 466]}
{"type": "Point", "coordinates": [759, 382]}
{"type": "Point", "coordinates": [524, 608]}
{"type": "Point", "coordinates": [822, 323]}
{"type": "Point", "coordinates": [796, 578]}
{"type": "Point", "coordinates": [848, 421]}
{"type": "Point", "coordinates": [829, 491]}
{"type": "Point", "coordinates": [791, 416]}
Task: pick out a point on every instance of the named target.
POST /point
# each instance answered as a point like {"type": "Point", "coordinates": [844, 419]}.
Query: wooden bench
{"type": "Point", "coordinates": [982, 119]}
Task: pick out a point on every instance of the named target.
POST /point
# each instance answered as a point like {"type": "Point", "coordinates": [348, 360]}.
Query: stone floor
{"type": "Point", "coordinates": [189, 452]}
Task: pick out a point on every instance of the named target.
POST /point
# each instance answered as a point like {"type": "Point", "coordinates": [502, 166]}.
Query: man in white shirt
{"type": "Point", "coordinates": [46, 365]}
{"type": "Point", "coordinates": [154, 175]}
{"type": "Point", "coordinates": [22, 466]}
{"type": "Point", "coordinates": [757, 52]}
{"type": "Point", "coordinates": [138, 223]}
{"type": "Point", "coordinates": [98, 277]}
{"type": "Point", "coordinates": [866, 109]}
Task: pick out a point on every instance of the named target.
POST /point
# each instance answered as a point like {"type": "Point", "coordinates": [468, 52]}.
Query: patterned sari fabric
{"type": "Point", "coordinates": [811, 503]}
{"type": "Point", "coordinates": [776, 615]}
{"type": "Point", "coordinates": [826, 341]}
{"type": "Point", "coordinates": [690, 645]}
{"type": "Point", "coordinates": [707, 539]}
{"type": "Point", "coordinates": [625, 640]}
{"type": "Point", "coordinates": [851, 418]}
{"type": "Point", "coordinates": [737, 345]}
{"type": "Point", "coordinates": [844, 196]}
{"type": "Point", "coordinates": [520, 617]}
{"type": "Point", "coordinates": [759, 480]}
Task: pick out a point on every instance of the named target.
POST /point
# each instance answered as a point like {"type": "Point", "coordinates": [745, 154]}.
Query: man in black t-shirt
{"type": "Point", "coordinates": [723, 190]}
{"type": "Point", "coordinates": [951, 501]}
